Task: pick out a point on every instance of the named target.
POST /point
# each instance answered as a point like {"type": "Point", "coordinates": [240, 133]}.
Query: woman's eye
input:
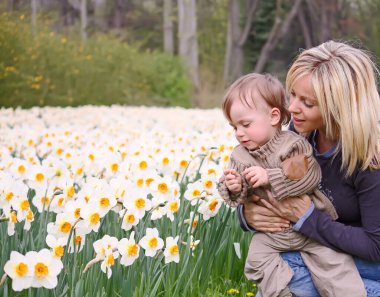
{"type": "Point", "coordinates": [308, 104]}
{"type": "Point", "coordinates": [246, 125]}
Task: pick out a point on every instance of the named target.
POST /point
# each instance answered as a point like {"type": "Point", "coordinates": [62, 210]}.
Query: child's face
{"type": "Point", "coordinates": [253, 126]}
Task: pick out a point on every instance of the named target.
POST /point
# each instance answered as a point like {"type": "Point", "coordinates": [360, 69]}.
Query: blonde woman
{"type": "Point", "coordinates": [334, 102]}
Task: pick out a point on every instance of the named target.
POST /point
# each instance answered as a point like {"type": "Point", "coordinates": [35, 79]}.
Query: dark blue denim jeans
{"type": "Point", "coordinates": [302, 286]}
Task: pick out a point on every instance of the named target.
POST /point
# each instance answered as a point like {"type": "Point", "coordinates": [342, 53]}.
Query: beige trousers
{"type": "Point", "coordinates": [334, 274]}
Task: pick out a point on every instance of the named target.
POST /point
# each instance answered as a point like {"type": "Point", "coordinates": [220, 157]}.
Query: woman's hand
{"type": "Point", "coordinates": [262, 218]}
{"type": "Point", "coordinates": [292, 208]}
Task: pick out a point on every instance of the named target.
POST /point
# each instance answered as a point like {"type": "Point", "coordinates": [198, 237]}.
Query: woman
{"type": "Point", "coordinates": [334, 102]}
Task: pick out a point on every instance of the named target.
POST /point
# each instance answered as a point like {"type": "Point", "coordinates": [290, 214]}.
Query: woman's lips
{"type": "Point", "coordinates": [297, 121]}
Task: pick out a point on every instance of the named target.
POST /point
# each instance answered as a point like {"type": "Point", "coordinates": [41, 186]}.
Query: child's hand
{"type": "Point", "coordinates": [233, 180]}
{"type": "Point", "coordinates": [256, 176]}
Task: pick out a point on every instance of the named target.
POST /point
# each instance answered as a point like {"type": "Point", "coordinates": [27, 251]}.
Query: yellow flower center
{"type": "Point", "coordinates": [153, 242]}
{"type": "Point", "coordinates": [114, 167]}
{"type": "Point", "coordinates": [94, 218]}
{"type": "Point", "coordinates": [21, 169]}
{"type": "Point", "coordinates": [132, 250]}
{"type": "Point", "coordinates": [58, 251]}
{"type": "Point", "coordinates": [196, 193]}
{"type": "Point", "coordinates": [183, 163]}
{"type": "Point", "coordinates": [39, 177]}
{"type": "Point", "coordinates": [78, 239]}
{"type": "Point", "coordinates": [77, 213]}
{"type": "Point", "coordinates": [59, 151]}
{"type": "Point", "coordinates": [110, 260]}
{"type": "Point", "coordinates": [9, 196]}
{"type": "Point", "coordinates": [143, 165]}
{"type": "Point", "coordinates": [71, 191]}
{"type": "Point", "coordinates": [162, 188]}
{"type": "Point", "coordinates": [173, 206]}
{"type": "Point", "coordinates": [13, 217]}
{"type": "Point", "coordinates": [208, 184]}
{"type": "Point", "coordinates": [140, 182]}
{"type": "Point", "coordinates": [174, 250]}
{"type": "Point", "coordinates": [104, 202]}
{"type": "Point", "coordinates": [165, 161]}
{"type": "Point", "coordinates": [24, 205]}
{"type": "Point", "coordinates": [65, 227]}
{"type": "Point", "coordinates": [130, 218]}
{"type": "Point", "coordinates": [148, 181]}
{"type": "Point", "coordinates": [29, 216]}
{"type": "Point", "coordinates": [211, 171]}
{"type": "Point", "coordinates": [195, 223]}
{"type": "Point", "coordinates": [45, 200]}
{"type": "Point", "coordinates": [140, 203]}
{"type": "Point", "coordinates": [213, 205]}
{"type": "Point", "coordinates": [79, 171]}
{"type": "Point", "coordinates": [41, 270]}
{"type": "Point", "coordinates": [91, 157]}
{"type": "Point", "coordinates": [21, 269]}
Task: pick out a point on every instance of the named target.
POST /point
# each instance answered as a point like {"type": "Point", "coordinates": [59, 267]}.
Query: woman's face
{"type": "Point", "coordinates": [304, 106]}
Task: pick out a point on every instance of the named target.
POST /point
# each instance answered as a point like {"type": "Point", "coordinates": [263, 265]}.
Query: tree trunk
{"type": "Point", "coordinates": [83, 19]}
{"type": "Point", "coordinates": [305, 28]}
{"type": "Point", "coordinates": [34, 15]}
{"type": "Point", "coordinates": [279, 30]}
{"type": "Point", "coordinates": [118, 14]}
{"type": "Point", "coordinates": [236, 39]}
{"type": "Point", "coordinates": [168, 27]}
{"type": "Point", "coordinates": [188, 42]}
{"type": "Point", "coordinates": [324, 22]}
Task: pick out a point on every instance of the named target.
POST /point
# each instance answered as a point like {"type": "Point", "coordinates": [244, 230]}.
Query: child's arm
{"type": "Point", "coordinates": [298, 174]}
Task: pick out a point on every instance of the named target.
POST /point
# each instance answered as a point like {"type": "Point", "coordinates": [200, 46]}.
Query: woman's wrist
{"type": "Point", "coordinates": [297, 226]}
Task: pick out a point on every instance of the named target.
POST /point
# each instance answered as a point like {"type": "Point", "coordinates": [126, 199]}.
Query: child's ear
{"type": "Point", "coordinates": [275, 116]}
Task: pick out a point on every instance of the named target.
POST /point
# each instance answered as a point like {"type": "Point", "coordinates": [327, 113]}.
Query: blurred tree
{"type": "Point", "coordinates": [237, 38]}
{"type": "Point", "coordinates": [188, 41]}
{"type": "Point", "coordinates": [168, 30]}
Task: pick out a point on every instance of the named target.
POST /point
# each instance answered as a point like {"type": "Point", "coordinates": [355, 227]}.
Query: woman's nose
{"type": "Point", "coordinates": [294, 106]}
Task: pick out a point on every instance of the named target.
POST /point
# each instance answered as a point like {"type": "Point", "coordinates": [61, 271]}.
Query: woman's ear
{"type": "Point", "coordinates": [275, 116]}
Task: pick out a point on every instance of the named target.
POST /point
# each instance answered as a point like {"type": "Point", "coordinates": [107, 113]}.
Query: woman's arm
{"type": "Point", "coordinates": [362, 241]}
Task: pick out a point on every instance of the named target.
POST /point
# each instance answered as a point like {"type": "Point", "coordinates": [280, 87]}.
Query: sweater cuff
{"type": "Point", "coordinates": [300, 222]}
{"type": "Point", "coordinates": [243, 223]}
{"type": "Point", "coordinates": [276, 181]}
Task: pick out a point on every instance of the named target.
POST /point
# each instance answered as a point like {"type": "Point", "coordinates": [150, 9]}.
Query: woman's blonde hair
{"type": "Point", "coordinates": [344, 82]}
{"type": "Point", "coordinates": [268, 87]}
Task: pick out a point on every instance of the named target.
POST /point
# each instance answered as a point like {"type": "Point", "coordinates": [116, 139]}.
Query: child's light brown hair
{"type": "Point", "coordinates": [265, 85]}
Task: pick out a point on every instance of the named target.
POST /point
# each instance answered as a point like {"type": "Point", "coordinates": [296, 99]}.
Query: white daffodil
{"type": "Point", "coordinates": [62, 226]}
{"type": "Point", "coordinates": [210, 186]}
{"type": "Point", "coordinates": [210, 207]}
{"type": "Point", "coordinates": [45, 268]}
{"type": "Point", "coordinates": [43, 197]}
{"type": "Point", "coordinates": [128, 249]}
{"type": "Point", "coordinates": [77, 242]}
{"type": "Point", "coordinates": [194, 192]}
{"type": "Point", "coordinates": [137, 200]}
{"type": "Point", "coordinates": [38, 177]}
{"type": "Point", "coordinates": [20, 270]}
{"type": "Point", "coordinates": [57, 245]}
{"type": "Point", "coordinates": [108, 262]}
{"type": "Point", "coordinates": [172, 207]}
{"type": "Point", "coordinates": [91, 215]}
{"type": "Point", "coordinates": [171, 252]}
{"type": "Point", "coordinates": [130, 218]}
{"type": "Point", "coordinates": [192, 221]}
{"type": "Point", "coordinates": [151, 242]}
{"type": "Point", "coordinates": [104, 246]}
{"type": "Point", "coordinates": [19, 168]}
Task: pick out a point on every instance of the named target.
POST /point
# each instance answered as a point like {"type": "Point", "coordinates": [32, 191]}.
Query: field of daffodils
{"type": "Point", "coordinates": [117, 201]}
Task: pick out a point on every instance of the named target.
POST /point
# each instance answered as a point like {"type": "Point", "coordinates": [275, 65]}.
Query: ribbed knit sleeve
{"type": "Point", "coordinates": [294, 177]}
{"type": "Point", "coordinates": [233, 199]}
